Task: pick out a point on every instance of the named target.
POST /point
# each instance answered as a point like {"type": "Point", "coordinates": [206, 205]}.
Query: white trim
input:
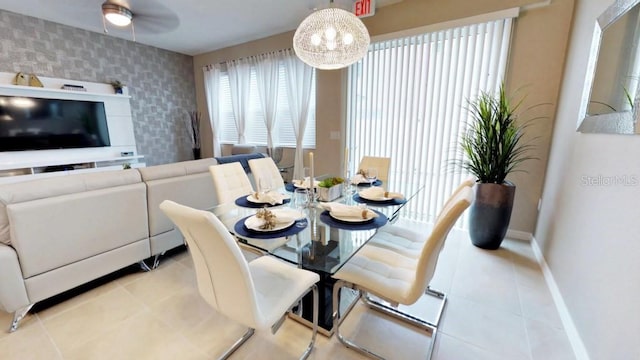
{"type": "Point", "coordinates": [497, 15]}
{"type": "Point", "coordinates": [579, 350]}
{"type": "Point", "coordinates": [519, 235]}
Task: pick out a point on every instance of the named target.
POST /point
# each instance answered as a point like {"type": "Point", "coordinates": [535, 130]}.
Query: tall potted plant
{"type": "Point", "coordinates": [493, 147]}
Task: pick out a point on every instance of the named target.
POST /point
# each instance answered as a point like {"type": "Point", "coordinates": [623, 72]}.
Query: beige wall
{"type": "Point", "coordinates": [589, 233]}
{"type": "Point", "coordinates": [539, 42]}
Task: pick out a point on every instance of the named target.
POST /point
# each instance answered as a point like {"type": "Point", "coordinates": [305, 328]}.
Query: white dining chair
{"type": "Point", "coordinates": [407, 236]}
{"type": "Point", "coordinates": [382, 164]}
{"type": "Point", "coordinates": [230, 182]}
{"type": "Point", "coordinates": [396, 278]}
{"type": "Point", "coordinates": [256, 294]}
{"type": "Point", "coordinates": [266, 168]}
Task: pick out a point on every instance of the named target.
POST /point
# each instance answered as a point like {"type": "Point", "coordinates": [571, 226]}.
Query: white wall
{"type": "Point", "coordinates": [589, 228]}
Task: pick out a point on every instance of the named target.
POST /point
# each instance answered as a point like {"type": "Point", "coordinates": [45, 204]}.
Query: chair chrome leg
{"type": "Point", "coordinates": [337, 320]}
{"type": "Point", "coordinates": [237, 344]}
{"type": "Point", "coordinates": [315, 324]}
{"type": "Point", "coordinates": [19, 315]}
{"type": "Point", "coordinates": [391, 311]}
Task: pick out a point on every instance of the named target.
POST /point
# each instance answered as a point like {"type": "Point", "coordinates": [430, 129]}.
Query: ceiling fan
{"type": "Point", "coordinates": [144, 17]}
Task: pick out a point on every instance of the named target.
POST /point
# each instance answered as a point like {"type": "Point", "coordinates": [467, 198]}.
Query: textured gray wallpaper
{"type": "Point", "coordinates": [160, 82]}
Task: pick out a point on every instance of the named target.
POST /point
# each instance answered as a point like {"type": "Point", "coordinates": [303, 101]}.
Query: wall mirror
{"type": "Point", "coordinates": [611, 97]}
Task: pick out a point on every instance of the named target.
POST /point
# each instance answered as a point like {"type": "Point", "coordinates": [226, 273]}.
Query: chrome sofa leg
{"type": "Point", "coordinates": [19, 315]}
{"type": "Point", "coordinates": [143, 266]}
{"type": "Point", "coordinates": [156, 260]}
{"type": "Point", "coordinates": [237, 344]}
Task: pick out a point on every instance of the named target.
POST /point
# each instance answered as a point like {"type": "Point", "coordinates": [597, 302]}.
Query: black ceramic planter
{"type": "Point", "coordinates": [490, 214]}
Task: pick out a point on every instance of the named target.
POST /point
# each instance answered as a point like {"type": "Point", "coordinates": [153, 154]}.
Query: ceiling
{"type": "Point", "coordinates": [186, 26]}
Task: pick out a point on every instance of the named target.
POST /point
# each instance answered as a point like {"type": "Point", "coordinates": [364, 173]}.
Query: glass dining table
{"type": "Point", "coordinates": [317, 241]}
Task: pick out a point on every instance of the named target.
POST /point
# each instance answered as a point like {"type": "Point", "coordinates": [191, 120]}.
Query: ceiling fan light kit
{"type": "Point", "coordinates": [331, 39]}
{"type": "Point", "coordinates": [116, 14]}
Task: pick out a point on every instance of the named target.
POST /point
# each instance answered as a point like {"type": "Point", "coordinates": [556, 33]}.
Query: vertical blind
{"type": "Point", "coordinates": [255, 129]}
{"type": "Point", "coordinates": [408, 100]}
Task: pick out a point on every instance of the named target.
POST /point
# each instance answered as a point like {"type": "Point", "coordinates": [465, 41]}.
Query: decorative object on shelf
{"type": "Point", "coordinates": [493, 147]}
{"type": "Point", "coordinates": [34, 81]}
{"type": "Point", "coordinates": [20, 79]}
{"type": "Point", "coordinates": [194, 133]}
{"type": "Point", "coordinates": [330, 39]}
{"type": "Point", "coordinates": [330, 189]}
{"type": "Point", "coordinates": [117, 86]}
{"type": "Point", "coordinates": [126, 166]}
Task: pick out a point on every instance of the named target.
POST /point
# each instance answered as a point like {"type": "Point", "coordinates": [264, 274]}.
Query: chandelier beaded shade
{"type": "Point", "coordinates": [331, 39]}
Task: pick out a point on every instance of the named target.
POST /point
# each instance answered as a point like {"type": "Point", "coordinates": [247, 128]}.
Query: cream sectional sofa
{"type": "Point", "coordinates": [61, 232]}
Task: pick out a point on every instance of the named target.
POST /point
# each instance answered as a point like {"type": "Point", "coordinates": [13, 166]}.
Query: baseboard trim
{"type": "Point", "coordinates": [519, 235]}
{"type": "Point", "coordinates": [579, 349]}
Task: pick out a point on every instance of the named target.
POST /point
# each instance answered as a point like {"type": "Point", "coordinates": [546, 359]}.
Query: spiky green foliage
{"type": "Point", "coordinates": [493, 145]}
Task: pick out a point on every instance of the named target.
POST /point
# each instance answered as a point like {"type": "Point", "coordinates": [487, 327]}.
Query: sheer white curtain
{"type": "Point", "coordinates": [267, 68]}
{"type": "Point", "coordinates": [239, 84]}
{"type": "Point", "coordinates": [407, 100]}
{"type": "Point", "coordinates": [212, 89]}
{"type": "Point", "coordinates": [299, 88]}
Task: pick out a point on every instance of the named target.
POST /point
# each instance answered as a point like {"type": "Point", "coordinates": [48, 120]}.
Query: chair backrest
{"type": "Point", "coordinates": [222, 272]}
{"type": "Point", "coordinates": [431, 248]}
{"type": "Point", "coordinates": [266, 168]}
{"type": "Point", "coordinates": [469, 182]}
{"type": "Point", "coordinates": [230, 182]}
{"type": "Point", "coordinates": [380, 163]}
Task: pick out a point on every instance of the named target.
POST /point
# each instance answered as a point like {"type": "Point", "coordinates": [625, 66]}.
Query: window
{"type": "Point", "coordinates": [255, 129]}
{"type": "Point", "coordinates": [407, 100]}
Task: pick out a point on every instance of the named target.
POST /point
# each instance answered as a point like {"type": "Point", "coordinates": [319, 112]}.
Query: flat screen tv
{"type": "Point", "coordinates": [28, 123]}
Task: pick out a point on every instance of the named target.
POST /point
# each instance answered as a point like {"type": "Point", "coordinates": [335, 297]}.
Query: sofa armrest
{"type": "Point", "coordinates": [13, 294]}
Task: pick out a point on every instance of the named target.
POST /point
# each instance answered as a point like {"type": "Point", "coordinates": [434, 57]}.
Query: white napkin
{"type": "Point", "coordinates": [305, 183]}
{"type": "Point", "coordinates": [358, 178]}
{"type": "Point", "coordinates": [348, 211]}
{"type": "Point", "coordinates": [271, 197]}
{"type": "Point", "coordinates": [283, 216]}
{"type": "Point", "coordinates": [378, 193]}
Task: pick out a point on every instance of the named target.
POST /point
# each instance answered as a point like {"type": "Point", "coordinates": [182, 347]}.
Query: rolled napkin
{"type": "Point", "coordinates": [271, 197]}
{"type": "Point", "coordinates": [348, 211]}
{"type": "Point", "coordinates": [305, 183]}
{"type": "Point", "coordinates": [278, 217]}
{"type": "Point", "coordinates": [358, 178]}
{"type": "Point", "coordinates": [378, 193]}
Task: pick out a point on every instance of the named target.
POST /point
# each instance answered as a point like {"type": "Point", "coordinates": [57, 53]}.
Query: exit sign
{"type": "Point", "coordinates": [364, 8]}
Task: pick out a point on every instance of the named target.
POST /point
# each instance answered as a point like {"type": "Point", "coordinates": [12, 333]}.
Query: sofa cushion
{"type": "Point", "coordinates": [26, 191]}
{"type": "Point", "coordinates": [176, 169]}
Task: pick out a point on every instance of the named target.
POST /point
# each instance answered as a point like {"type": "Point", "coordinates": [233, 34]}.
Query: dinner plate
{"type": "Point", "coordinates": [255, 220]}
{"type": "Point", "coordinates": [253, 199]}
{"type": "Point", "coordinates": [349, 219]}
{"type": "Point", "coordinates": [381, 199]}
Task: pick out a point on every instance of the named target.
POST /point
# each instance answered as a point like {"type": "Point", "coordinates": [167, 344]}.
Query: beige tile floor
{"type": "Point", "coordinates": [499, 308]}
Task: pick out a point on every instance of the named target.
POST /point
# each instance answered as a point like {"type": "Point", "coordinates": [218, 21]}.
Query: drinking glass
{"type": "Point", "coordinates": [349, 188]}
{"type": "Point", "coordinates": [264, 185]}
{"type": "Point", "coordinates": [300, 198]}
{"type": "Point", "coordinates": [372, 175]}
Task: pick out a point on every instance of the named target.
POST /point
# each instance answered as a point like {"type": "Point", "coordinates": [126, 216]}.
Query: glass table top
{"type": "Point", "coordinates": [323, 245]}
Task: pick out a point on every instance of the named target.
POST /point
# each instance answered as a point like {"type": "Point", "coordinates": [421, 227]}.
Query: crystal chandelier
{"type": "Point", "coordinates": [330, 39]}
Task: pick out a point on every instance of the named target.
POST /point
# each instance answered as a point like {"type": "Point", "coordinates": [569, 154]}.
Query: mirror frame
{"type": "Point", "coordinates": [613, 123]}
